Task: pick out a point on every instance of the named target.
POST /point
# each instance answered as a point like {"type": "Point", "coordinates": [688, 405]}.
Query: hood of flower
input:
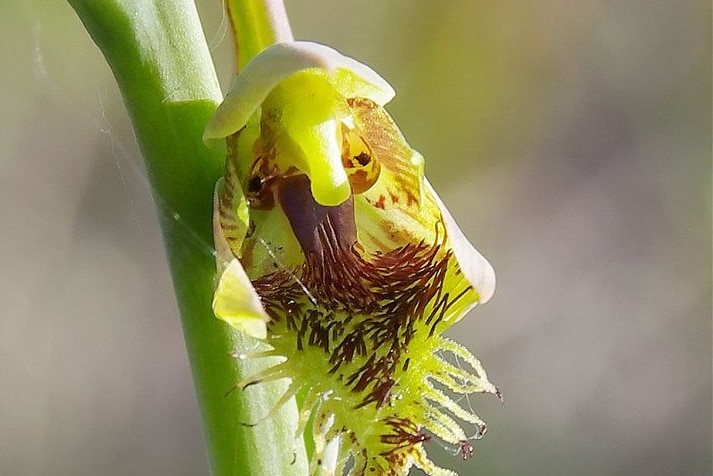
{"type": "Point", "coordinates": [352, 265]}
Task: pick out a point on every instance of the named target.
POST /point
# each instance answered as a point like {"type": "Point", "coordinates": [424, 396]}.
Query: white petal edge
{"type": "Point", "coordinates": [476, 269]}
{"type": "Point", "coordinates": [279, 61]}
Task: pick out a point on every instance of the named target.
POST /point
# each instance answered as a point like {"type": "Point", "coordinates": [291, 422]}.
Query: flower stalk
{"type": "Point", "coordinates": [257, 25]}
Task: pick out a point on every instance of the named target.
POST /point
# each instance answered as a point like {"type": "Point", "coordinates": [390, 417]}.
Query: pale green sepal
{"type": "Point", "coordinates": [350, 78]}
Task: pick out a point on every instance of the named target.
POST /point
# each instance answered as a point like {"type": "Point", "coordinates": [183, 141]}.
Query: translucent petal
{"type": "Point", "coordinates": [236, 302]}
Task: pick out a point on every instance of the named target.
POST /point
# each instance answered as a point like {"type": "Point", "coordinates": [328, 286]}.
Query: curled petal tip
{"type": "Point", "coordinates": [260, 76]}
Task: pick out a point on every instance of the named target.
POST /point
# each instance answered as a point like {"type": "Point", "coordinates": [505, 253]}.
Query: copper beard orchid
{"type": "Point", "coordinates": [335, 251]}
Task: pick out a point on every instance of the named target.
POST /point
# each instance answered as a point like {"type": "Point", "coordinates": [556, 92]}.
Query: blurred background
{"type": "Point", "coordinates": [572, 140]}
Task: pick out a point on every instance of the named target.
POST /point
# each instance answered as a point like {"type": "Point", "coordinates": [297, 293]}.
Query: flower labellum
{"type": "Point", "coordinates": [335, 251]}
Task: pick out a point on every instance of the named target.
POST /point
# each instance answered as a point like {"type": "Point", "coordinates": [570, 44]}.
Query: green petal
{"type": "Point", "coordinates": [304, 113]}
{"type": "Point", "coordinates": [321, 159]}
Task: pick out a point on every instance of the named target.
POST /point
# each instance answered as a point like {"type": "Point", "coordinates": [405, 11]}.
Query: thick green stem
{"type": "Point", "coordinates": [162, 65]}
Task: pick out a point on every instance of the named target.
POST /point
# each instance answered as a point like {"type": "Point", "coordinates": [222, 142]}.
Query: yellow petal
{"type": "Point", "coordinates": [304, 113]}
{"type": "Point", "coordinates": [237, 303]}
{"type": "Point", "coordinates": [261, 75]}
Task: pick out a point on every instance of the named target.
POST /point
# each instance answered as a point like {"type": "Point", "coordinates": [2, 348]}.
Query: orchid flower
{"type": "Point", "coordinates": [335, 251]}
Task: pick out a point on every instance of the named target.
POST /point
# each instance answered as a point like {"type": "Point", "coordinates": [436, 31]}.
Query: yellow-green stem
{"type": "Point", "coordinates": [256, 25]}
